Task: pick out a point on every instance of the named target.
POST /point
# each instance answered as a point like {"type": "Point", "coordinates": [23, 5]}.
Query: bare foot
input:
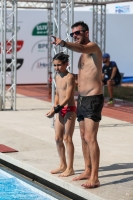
{"type": "Point", "coordinates": [67, 172]}
{"type": "Point", "coordinates": [84, 175]}
{"type": "Point", "coordinates": [58, 170]}
{"type": "Point", "coordinates": [91, 184]}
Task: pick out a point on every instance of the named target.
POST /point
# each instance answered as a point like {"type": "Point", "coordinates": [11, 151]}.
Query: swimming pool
{"type": "Point", "coordinates": [13, 188]}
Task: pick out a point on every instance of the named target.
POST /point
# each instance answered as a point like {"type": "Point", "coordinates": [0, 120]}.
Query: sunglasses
{"type": "Point", "coordinates": [57, 65]}
{"type": "Point", "coordinates": [76, 33]}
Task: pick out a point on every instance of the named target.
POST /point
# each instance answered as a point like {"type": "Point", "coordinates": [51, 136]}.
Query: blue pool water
{"type": "Point", "coordinates": [12, 188]}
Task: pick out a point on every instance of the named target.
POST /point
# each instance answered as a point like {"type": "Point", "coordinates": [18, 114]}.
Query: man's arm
{"type": "Point", "coordinates": [91, 47]}
{"type": "Point", "coordinates": [114, 70]}
{"type": "Point", "coordinates": [103, 76]}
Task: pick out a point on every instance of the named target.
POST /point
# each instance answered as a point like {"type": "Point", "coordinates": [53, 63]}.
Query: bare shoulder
{"type": "Point", "coordinates": [94, 45]}
{"type": "Point", "coordinates": [92, 48]}
{"type": "Point", "coordinates": [70, 77]}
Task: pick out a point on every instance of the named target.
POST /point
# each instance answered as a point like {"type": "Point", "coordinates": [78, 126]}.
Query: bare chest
{"type": "Point", "coordinates": [85, 61]}
{"type": "Point", "coordinates": [61, 83]}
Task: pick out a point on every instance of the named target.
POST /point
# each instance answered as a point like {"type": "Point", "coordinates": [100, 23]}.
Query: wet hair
{"type": "Point", "coordinates": [62, 57]}
{"type": "Point", "coordinates": [81, 23]}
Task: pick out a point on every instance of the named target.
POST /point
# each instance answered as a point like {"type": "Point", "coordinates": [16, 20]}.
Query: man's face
{"type": "Point", "coordinates": [59, 66]}
{"type": "Point", "coordinates": [79, 35]}
{"type": "Point", "coordinates": [105, 60]}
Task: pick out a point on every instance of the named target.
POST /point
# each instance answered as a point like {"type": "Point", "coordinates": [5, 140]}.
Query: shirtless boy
{"type": "Point", "coordinates": [90, 100]}
{"type": "Point", "coordinates": [64, 106]}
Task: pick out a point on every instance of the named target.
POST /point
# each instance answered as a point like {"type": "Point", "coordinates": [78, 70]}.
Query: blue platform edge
{"type": "Point", "coordinates": [127, 79]}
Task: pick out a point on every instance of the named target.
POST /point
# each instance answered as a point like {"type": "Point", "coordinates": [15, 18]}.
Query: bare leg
{"type": "Point", "coordinates": [69, 129]}
{"type": "Point", "coordinates": [86, 154]}
{"type": "Point", "coordinates": [91, 129]}
{"type": "Point", "coordinates": [110, 88]}
{"type": "Point", "coordinates": [59, 132]}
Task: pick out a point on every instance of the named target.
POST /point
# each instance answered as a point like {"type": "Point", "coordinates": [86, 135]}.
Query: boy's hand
{"type": "Point", "coordinates": [50, 114]}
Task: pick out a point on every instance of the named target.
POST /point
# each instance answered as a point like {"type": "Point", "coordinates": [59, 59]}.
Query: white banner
{"type": "Point", "coordinates": [32, 44]}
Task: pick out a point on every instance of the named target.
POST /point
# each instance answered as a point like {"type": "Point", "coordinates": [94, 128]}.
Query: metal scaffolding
{"type": "Point", "coordinates": [44, 4]}
{"type": "Point", "coordinates": [63, 11]}
{"type": "Point", "coordinates": [50, 30]}
{"type": "Point", "coordinates": [8, 46]}
{"type": "Point", "coordinates": [62, 18]}
{"type": "Point", "coordinates": [99, 25]}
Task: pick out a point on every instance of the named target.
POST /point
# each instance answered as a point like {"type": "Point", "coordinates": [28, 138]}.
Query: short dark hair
{"type": "Point", "coordinates": [81, 23]}
{"type": "Point", "coordinates": [62, 57]}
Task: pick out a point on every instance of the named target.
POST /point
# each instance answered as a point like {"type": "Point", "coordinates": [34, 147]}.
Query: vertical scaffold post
{"type": "Point", "coordinates": [49, 81]}
{"type": "Point", "coordinates": [3, 53]}
{"type": "Point", "coordinates": [63, 17]}
{"type": "Point", "coordinates": [8, 46]}
{"type": "Point", "coordinates": [99, 25]}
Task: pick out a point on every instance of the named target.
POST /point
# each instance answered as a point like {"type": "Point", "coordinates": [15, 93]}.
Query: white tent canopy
{"type": "Point", "coordinates": [46, 4]}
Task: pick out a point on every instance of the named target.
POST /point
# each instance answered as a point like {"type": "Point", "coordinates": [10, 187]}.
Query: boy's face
{"type": "Point", "coordinates": [59, 66]}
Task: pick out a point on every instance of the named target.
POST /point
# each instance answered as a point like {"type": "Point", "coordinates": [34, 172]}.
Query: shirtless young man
{"type": "Point", "coordinates": [65, 118]}
{"type": "Point", "coordinates": [90, 100]}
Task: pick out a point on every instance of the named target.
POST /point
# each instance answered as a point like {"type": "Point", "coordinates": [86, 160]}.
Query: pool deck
{"type": "Point", "coordinates": [29, 131]}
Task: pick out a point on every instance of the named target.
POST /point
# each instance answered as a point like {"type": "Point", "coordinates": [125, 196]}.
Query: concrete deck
{"type": "Point", "coordinates": [29, 131]}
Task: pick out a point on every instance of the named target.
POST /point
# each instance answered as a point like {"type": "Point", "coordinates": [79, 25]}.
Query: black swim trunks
{"type": "Point", "coordinates": [90, 107]}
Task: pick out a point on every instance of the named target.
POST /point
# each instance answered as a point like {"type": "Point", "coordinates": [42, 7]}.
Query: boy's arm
{"type": "Point", "coordinates": [51, 113]}
{"type": "Point", "coordinates": [56, 100]}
